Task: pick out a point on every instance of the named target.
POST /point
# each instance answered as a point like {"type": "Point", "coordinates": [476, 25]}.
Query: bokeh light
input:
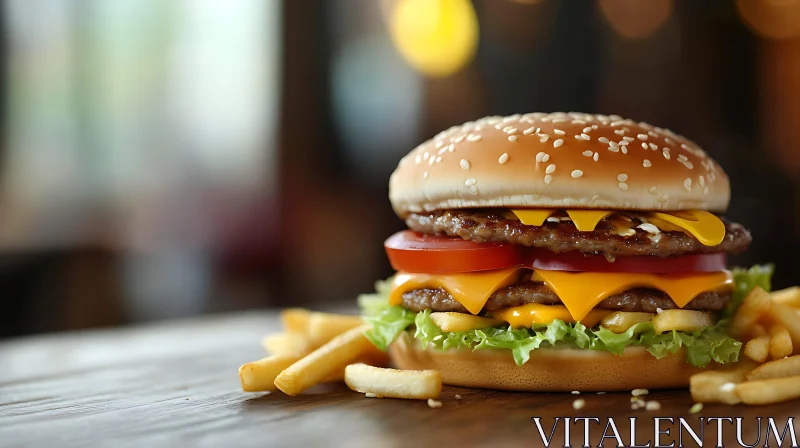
{"type": "Point", "coordinates": [774, 19]}
{"type": "Point", "coordinates": [437, 37]}
{"type": "Point", "coordinates": [634, 19]}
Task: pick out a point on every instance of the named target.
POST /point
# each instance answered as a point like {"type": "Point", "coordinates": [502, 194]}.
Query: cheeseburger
{"type": "Point", "coordinates": [559, 251]}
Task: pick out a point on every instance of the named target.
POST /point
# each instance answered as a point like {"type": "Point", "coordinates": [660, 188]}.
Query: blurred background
{"type": "Point", "coordinates": [168, 158]}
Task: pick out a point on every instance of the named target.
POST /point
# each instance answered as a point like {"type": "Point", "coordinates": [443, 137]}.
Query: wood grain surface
{"type": "Point", "coordinates": [176, 384]}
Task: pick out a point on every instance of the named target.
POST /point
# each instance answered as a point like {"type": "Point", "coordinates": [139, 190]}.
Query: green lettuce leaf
{"type": "Point", "coordinates": [744, 281]}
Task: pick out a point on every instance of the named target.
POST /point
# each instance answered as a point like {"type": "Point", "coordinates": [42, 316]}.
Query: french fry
{"type": "Point", "coordinates": [286, 344]}
{"type": "Point", "coordinates": [681, 320]}
{"type": "Point", "coordinates": [780, 343]}
{"type": "Point", "coordinates": [259, 376]}
{"type": "Point", "coordinates": [462, 322]}
{"type": "Point", "coordinates": [754, 305]}
{"type": "Point", "coordinates": [322, 327]}
{"type": "Point", "coordinates": [789, 297]}
{"type": "Point", "coordinates": [757, 349]}
{"type": "Point", "coordinates": [769, 391]}
{"type": "Point", "coordinates": [375, 358]}
{"type": "Point", "coordinates": [789, 319]}
{"type": "Point", "coordinates": [324, 361]}
{"type": "Point", "coordinates": [414, 384]}
{"type": "Point", "coordinates": [712, 386]}
{"type": "Point", "coordinates": [295, 320]}
{"type": "Point", "coordinates": [758, 330]}
{"type": "Point", "coordinates": [780, 368]}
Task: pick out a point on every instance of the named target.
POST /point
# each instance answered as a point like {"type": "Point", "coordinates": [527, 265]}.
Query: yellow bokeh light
{"type": "Point", "coordinates": [437, 37]}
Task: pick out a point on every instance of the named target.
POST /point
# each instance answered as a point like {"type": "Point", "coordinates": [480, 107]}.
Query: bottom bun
{"type": "Point", "coordinates": [547, 369]}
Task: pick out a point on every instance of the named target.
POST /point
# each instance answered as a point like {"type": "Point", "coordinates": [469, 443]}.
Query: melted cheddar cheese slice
{"type": "Point", "coordinates": [705, 226]}
{"type": "Point", "coordinates": [580, 292]}
{"type": "Point", "coordinates": [471, 289]}
{"type": "Point", "coordinates": [528, 315]}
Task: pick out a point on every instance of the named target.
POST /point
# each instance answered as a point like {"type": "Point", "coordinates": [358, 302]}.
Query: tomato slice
{"type": "Point", "coordinates": [576, 261]}
{"type": "Point", "coordinates": [414, 252]}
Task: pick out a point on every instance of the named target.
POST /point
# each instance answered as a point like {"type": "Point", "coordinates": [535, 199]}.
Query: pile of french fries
{"type": "Point", "coordinates": [769, 325]}
{"type": "Point", "coordinates": [318, 347]}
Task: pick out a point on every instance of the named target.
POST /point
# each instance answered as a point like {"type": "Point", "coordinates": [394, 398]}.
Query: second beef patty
{"type": "Point", "coordinates": [639, 299]}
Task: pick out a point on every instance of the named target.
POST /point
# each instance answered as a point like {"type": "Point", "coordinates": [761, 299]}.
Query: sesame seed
{"type": "Point", "coordinates": [539, 157]}
{"type": "Point", "coordinates": [547, 179]}
{"type": "Point", "coordinates": [512, 138]}
{"type": "Point", "coordinates": [458, 139]}
{"type": "Point", "coordinates": [619, 132]}
{"type": "Point", "coordinates": [559, 131]}
{"type": "Point", "coordinates": [578, 122]}
{"type": "Point", "coordinates": [595, 197]}
{"type": "Point", "coordinates": [464, 164]}
{"type": "Point", "coordinates": [370, 395]}
{"type": "Point", "coordinates": [682, 158]}
{"type": "Point", "coordinates": [646, 163]}
{"type": "Point", "coordinates": [622, 177]}
{"type": "Point", "coordinates": [653, 190]}
{"type": "Point", "coordinates": [585, 136]}
{"type": "Point", "coordinates": [623, 186]}
{"type": "Point", "coordinates": [644, 145]}
{"type": "Point", "coordinates": [641, 136]}
{"type": "Point", "coordinates": [587, 129]}
{"type": "Point", "coordinates": [689, 165]}
{"type": "Point", "coordinates": [697, 407]}
{"type": "Point", "coordinates": [596, 156]}
{"type": "Point", "coordinates": [666, 154]}
{"type": "Point", "coordinates": [543, 138]}
{"type": "Point", "coordinates": [576, 392]}
{"type": "Point", "coordinates": [418, 159]}
{"type": "Point", "coordinates": [474, 190]}
{"type": "Point", "coordinates": [628, 139]}
{"type": "Point", "coordinates": [425, 156]}
{"type": "Point", "coordinates": [451, 148]}
{"type": "Point", "coordinates": [558, 143]}
{"type": "Point", "coordinates": [432, 160]}
{"type": "Point", "coordinates": [550, 169]}
{"type": "Point", "coordinates": [623, 143]}
{"type": "Point", "coordinates": [613, 148]}
{"type": "Point", "coordinates": [588, 153]}
{"type": "Point", "coordinates": [458, 397]}
{"type": "Point", "coordinates": [474, 138]}
{"type": "Point", "coordinates": [510, 130]}
{"type": "Point", "coordinates": [576, 174]}
{"type": "Point", "coordinates": [503, 158]}
{"type": "Point", "coordinates": [624, 149]}
{"type": "Point", "coordinates": [727, 387]}
{"type": "Point", "coordinates": [652, 134]}
{"type": "Point", "coordinates": [546, 158]}
{"type": "Point", "coordinates": [663, 198]}
{"type": "Point", "coordinates": [653, 146]}
{"type": "Point", "coordinates": [705, 190]}
{"type": "Point", "coordinates": [639, 392]}
{"type": "Point", "coordinates": [668, 140]}
{"type": "Point", "coordinates": [425, 175]}
{"type": "Point", "coordinates": [603, 140]}
{"type": "Point", "coordinates": [470, 182]}
{"type": "Point", "coordinates": [433, 403]}
{"type": "Point", "coordinates": [652, 406]}
{"type": "Point", "coordinates": [528, 131]}
{"type": "Point", "coordinates": [687, 184]}
{"type": "Point", "coordinates": [613, 143]}
{"type": "Point", "coordinates": [578, 404]}
{"type": "Point", "coordinates": [702, 181]}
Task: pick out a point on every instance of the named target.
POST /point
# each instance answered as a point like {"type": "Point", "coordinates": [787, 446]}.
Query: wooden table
{"type": "Point", "coordinates": [176, 384]}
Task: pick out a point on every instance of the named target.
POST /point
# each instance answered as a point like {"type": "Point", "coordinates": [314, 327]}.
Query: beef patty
{"type": "Point", "coordinates": [485, 226]}
{"type": "Point", "coordinates": [639, 299]}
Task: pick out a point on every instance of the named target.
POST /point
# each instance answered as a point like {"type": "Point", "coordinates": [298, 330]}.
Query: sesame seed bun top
{"type": "Point", "coordinates": [558, 160]}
